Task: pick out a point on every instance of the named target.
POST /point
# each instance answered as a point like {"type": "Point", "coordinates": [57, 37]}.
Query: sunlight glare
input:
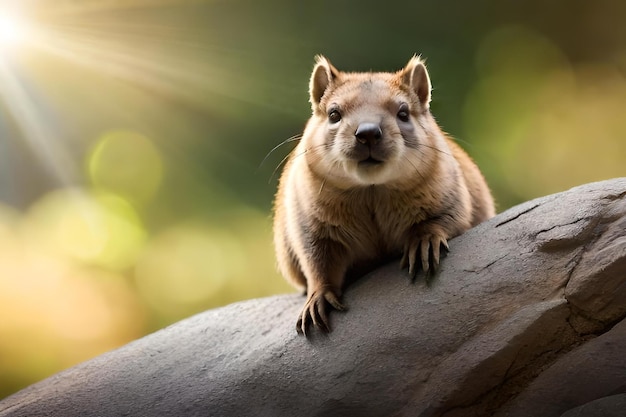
{"type": "Point", "coordinates": [12, 30]}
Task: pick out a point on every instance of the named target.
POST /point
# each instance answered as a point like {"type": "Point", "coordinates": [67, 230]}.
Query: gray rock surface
{"type": "Point", "coordinates": [526, 318]}
{"type": "Point", "coordinates": [613, 406]}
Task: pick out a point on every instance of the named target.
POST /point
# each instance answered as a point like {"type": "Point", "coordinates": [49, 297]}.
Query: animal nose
{"type": "Point", "coordinates": [368, 133]}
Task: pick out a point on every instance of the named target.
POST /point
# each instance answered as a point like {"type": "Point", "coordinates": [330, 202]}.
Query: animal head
{"type": "Point", "coordinates": [370, 128]}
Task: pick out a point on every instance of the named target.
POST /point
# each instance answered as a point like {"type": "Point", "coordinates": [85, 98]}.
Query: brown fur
{"type": "Point", "coordinates": [381, 181]}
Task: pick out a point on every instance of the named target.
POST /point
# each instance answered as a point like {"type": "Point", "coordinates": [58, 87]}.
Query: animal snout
{"type": "Point", "coordinates": [368, 133]}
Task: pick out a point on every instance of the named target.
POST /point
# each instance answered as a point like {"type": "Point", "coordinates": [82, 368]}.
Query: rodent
{"type": "Point", "coordinates": [372, 177]}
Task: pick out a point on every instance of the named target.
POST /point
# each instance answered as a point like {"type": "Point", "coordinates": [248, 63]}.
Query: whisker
{"type": "Point", "coordinates": [434, 148]}
{"type": "Point", "coordinates": [406, 158]}
{"type": "Point", "coordinates": [288, 140]}
{"type": "Point", "coordinates": [322, 186]}
{"type": "Point", "coordinates": [458, 140]}
{"type": "Point", "coordinates": [282, 161]}
{"type": "Point", "coordinates": [323, 146]}
{"type": "Point", "coordinates": [294, 156]}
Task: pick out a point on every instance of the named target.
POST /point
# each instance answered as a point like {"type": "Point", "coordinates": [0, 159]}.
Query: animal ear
{"type": "Point", "coordinates": [416, 77]}
{"type": "Point", "coordinates": [324, 74]}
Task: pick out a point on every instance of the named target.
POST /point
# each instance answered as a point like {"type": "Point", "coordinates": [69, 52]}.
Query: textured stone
{"type": "Point", "coordinates": [593, 370]}
{"type": "Point", "coordinates": [613, 406]}
{"type": "Point", "coordinates": [530, 300]}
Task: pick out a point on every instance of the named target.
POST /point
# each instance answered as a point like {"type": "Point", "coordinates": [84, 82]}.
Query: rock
{"type": "Point", "coordinates": [613, 406]}
{"type": "Point", "coordinates": [596, 369]}
{"type": "Point", "coordinates": [525, 318]}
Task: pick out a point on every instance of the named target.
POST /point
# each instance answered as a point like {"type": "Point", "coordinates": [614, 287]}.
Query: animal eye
{"type": "Point", "coordinates": [334, 116]}
{"type": "Point", "coordinates": [403, 113]}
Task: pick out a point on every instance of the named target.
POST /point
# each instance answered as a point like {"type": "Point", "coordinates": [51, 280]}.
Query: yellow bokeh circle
{"type": "Point", "coordinates": [98, 228]}
{"type": "Point", "coordinates": [128, 164]}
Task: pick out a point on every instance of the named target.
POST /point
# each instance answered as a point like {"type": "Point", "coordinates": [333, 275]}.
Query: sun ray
{"type": "Point", "coordinates": [94, 46]}
{"type": "Point", "coordinates": [30, 123]}
{"type": "Point", "coordinates": [147, 50]}
{"type": "Point", "coordinates": [12, 31]}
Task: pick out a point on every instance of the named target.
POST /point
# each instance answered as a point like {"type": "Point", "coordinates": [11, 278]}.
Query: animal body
{"type": "Point", "coordinates": [372, 177]}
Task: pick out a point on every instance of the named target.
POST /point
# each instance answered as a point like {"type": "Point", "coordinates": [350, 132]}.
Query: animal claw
{"type": "Point", "coordinates": [315, 313]}
{"type": "Point", "coordinates": [429, 248]}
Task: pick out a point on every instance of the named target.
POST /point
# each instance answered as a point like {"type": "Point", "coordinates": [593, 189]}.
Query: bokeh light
{"type": "Point", "coordinates": [56, 311]}
{"type": "Point", "coordinates": [131, 134]}
{"type": "Point", "coordinates": [93, 227]}
{"type": "Point", "coordinates": [128, 164]}
{"type": "Point", "coordinates": [541, 124]}
{"type": "Point", "coordinates": [186, 265]}
{"type": "Point", "coordinates": [189, 266]}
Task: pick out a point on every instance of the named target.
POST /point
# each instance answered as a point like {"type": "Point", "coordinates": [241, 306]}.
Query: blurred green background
{"type": "Point", "coordinates": [132, 132]}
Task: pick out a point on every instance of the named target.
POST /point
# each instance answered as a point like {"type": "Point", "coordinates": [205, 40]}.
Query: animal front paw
{"type": "Point", "coordinates": [427, 245]}
{"type": "Point", "coordinates": [314, 311]}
